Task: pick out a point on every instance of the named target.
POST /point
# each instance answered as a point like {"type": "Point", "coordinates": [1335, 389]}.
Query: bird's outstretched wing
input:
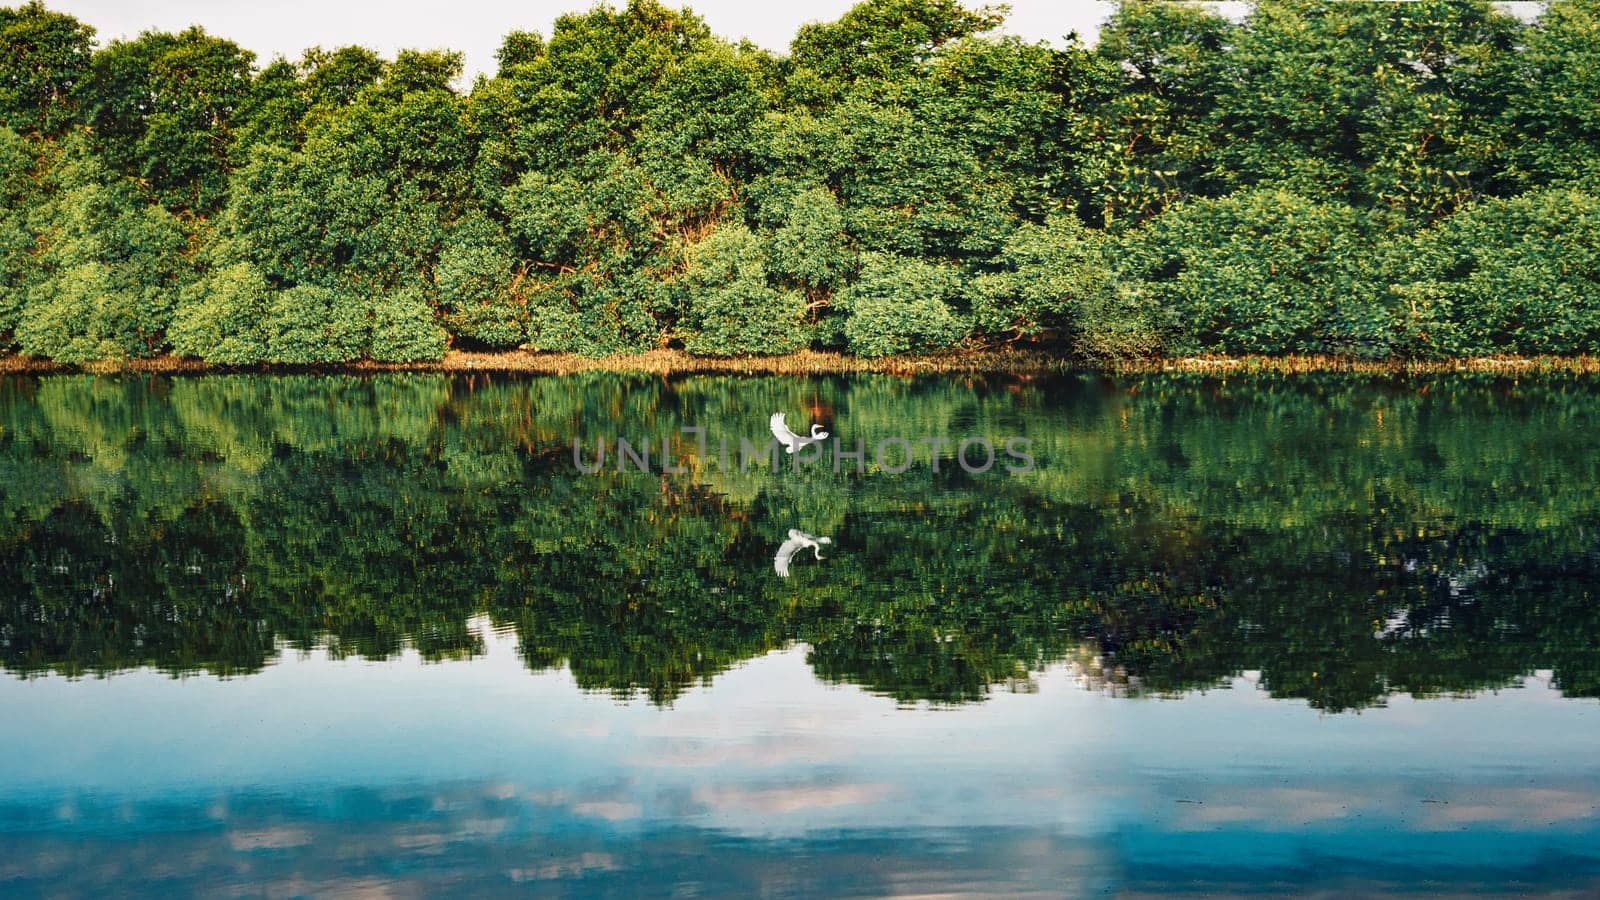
{"type": "Point", "coordinates": [780, 430]}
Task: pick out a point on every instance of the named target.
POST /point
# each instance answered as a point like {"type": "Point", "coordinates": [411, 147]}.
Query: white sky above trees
{"type": "Point", "coordinates": [475, 27]}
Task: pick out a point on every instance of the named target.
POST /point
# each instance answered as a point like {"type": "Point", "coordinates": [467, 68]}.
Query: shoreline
{"type": "Point", "coordinates": [807, 362]}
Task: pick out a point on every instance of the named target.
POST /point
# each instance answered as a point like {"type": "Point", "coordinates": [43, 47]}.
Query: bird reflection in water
{"type": "Point", "coordinates": [798, 540]}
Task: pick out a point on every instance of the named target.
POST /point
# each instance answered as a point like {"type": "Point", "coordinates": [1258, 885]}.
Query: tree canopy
{"type": "Point", "coordinates": [904, 179]}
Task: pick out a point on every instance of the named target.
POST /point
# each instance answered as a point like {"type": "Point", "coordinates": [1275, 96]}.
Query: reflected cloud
{"type": "Point", "coordinates": [431, 841]}
{"type": "Point", "coordinates": [1514, 808]}
{"type": "Point", "coordinates": [612, 805]}
{"type": "Point", "coordinates": [572, 867]}
{"type": "Point", "coordinates": [610, 810]}
{"type": "Point", "coordinates": [787, 799]}
{"type": "Point", "coordinates": [343, 888]}
{"type": "Point", "coordinates": [269, 839]}
{"type": "Point", "coordinates": [1447, 809]}
{"type": "Point", "coordinates": [765, 754]}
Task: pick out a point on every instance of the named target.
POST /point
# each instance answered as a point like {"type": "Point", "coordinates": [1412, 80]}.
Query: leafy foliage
{"type": "Point", "coordinates": [313, 325]}
{"type": "Point", "coordinates": [901, 304]}
{"type": "Point", "coordinates": [481, 284]}
{"type": "Point", "coordinates": [1508, 276]}
{"type": "Point", "coordinates": [106, 270]}
{"type": "Point", "coordinates": [45, 60]}
{"type": "Point", "coordinates": [733, 311]}
{"type": "Point", "coordinates": [223, 317]}
{"type": "Point", "coordinates": [162, 109]}
{"type": "Point", "coordinates": [1263, 271]}
{"type": "Point", "coordinates": [404, 328]}
{"type": "Point", "coordinates": [903, 180]}
{"type": "Point", "coordinates": [1057, 278]}
{"type": "Point", "coordinates": [17, 189]}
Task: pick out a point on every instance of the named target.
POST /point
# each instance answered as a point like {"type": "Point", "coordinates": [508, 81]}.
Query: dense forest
{"type": "Point", "coordinates": [1364, 179]}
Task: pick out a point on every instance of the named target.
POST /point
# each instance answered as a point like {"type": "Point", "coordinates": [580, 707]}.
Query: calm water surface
{"type": "Point", "coordinates": [380, 636]}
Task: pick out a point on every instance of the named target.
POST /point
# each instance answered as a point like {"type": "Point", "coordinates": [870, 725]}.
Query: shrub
{"type": "Point", "coordinates": [16, 240]}
{"type": "Point", "coordinates": [599, 312]}
{"type": "Point", "coordinates": [68, 317]}
{"type": "Point", "coordinates": [309, 325]}
{"type": "Point", "coordinates": [901, 305]}
{"type": "Point", "coordinates": [479, 286]}
{"type": "Point", "coordinates": [109, 266]}
{"type": "Point", "coordinates": [810, 249]}
{"type": "Point", "coordinates": [223, 317]}
{"type": "Point", "coordinates": [100, 299]}
{"type": "Point", "coordinates": [1057, 278]}
{"type": "Point", "coordinates": [405, 329]}
{"type": "Point", "coordinates": [732, 311]}
{"type": "Point", "coordinates": [1520, 275]}
{"type": "Point", "coordinates": [1262, 271]}
{"type": "Point", "coordinates": [606, 239]}
{"type": "Point", "coordinates": [15, 267]}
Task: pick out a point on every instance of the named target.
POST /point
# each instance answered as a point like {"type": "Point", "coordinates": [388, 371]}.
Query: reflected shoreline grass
{"type": "Point", "coordinates": [1016, 362]}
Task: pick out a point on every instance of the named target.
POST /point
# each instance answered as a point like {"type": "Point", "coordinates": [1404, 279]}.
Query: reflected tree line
{"type": "Point", "coordinates": [1348, 537]}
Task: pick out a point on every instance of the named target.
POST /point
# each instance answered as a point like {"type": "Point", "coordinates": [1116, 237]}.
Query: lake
{"type": "Point", "coordinates": [411, 634]}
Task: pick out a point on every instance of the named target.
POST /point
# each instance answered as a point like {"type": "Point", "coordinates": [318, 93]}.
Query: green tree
{"type": "Point", "coordinates": [878, 40]}
{"type": "Point", "coordinates": [363, 208]}
{"type": "Point", "coordinates": [109, 266]}
{"type": "Point", "coordinates": [590, 88]}
{"type": "Point", "coordinates": [1141, 138]}
{"type": "Point", "coordinates": [274, 111]}
{"type": "Point", "coordinates": [1553, 105]}
{"type": "Point", "coordinates": [335, 79]}
{"type": "Point", "coordinates": [44, 62]}
{"type": "Point", "coordinates": [405, 328]}
{"type": "Point", "coordinates": [1382, 103]}
{"type": "Point", "coordinates": [1263, 271]}
{"type": "Point", "coordinates": [606, 237]}
{"type": "Point", "coordinates": [900, 305]}
{"type": "Point", "coordinates": [732, 309]}
{"type": "Point", "coordinates": [1507, 276]}
{"type": "Point", "coordinates": [163, 107]}
{"type": "Point", "coordinates": [19, 190]}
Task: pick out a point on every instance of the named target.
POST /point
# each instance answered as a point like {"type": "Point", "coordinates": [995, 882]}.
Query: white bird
{"type": "Point", "coordinates": [798, 540]}
{"type": "Point", "coordinates": [791, 441]}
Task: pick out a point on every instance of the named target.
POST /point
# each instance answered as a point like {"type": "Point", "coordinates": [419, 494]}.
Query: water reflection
{"type": "Point", "coordinates": [797, 541]}
{"type": "Point", "coordinates": [399, 777]}
{"type": "Point", "coordinates": [1349, 538]}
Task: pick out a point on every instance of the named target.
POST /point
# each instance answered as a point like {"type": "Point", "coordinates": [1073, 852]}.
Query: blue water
{"type": "Point", "coordinates": [377, 637]}
{"type": "Point", "coordinates": [329, 775]}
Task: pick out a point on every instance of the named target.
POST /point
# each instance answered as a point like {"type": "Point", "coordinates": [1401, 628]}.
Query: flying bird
{"type": "Point", "coordinates": [798, 540]}
{"type": "Point", "coordinates": [791, 441]}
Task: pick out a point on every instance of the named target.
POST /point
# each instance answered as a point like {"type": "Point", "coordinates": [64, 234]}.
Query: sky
{"type": "Point", "coordinates": [272, 27]}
